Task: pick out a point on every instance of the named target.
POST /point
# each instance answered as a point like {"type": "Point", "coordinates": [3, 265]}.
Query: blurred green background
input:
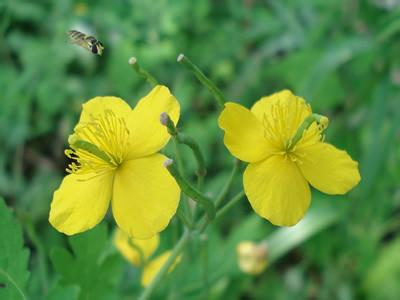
{"type": "Point", "coordinates": [343, 56]}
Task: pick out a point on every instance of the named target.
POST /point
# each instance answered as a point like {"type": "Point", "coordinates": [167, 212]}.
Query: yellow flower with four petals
{"type": "Point", "coordinates": [115, 153]}
{"type": "Point", "coordinates": [277, 179]}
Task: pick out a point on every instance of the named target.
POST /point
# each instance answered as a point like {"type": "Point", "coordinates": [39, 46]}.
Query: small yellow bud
{"type": "Point", "coordinates": [252, 257]}
{"type": "Point", "coordinates": [324, 121]}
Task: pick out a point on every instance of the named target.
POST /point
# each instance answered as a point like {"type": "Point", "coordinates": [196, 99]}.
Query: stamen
{"type": "Point", "coordinates": [286, 124]}
{"type": "Point", "coordinates": [98, 145]}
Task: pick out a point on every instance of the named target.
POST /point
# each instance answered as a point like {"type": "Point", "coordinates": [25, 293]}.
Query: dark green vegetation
{"type": "Point", "coordinates": [342, 56]}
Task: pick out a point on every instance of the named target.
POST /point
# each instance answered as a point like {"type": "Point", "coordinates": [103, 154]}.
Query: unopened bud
{"type": "Point", "coordinates": [180, 57]}
{"type": "Point", "coordinates": [168, 162]}
{"type": "Point", "coordinates": [164, 119]}
{"type": "Point", "coordinates": [323, 121]}
{"type": "Point", "coordinates": [252, 257]}
{"type": "Point", "coordinates": [132, 60]}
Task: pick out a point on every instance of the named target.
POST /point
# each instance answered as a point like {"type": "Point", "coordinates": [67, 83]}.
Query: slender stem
{"type": "Point", "coordinates": [192, 144]}
{"type": "Point", "coordinates": [164, 269]}
{"type": "Point", "coordinates": [228, 184]}
{"type": "Point", "coordinates": [230, 204]}
{"type": "Point", "coordinates": [190, 191]}
{"type": "Point", "coordinates": [216, 92]}
{"type": "Point", "coordinates": [188, 141]}
{"type": "Point", "coordinates": [178, 156]}
{"type": "Point", "coordinates": [183, 217]}
{"type": "Point", "coordinates": [142, 72]}
{"type": "Point", "coordinates": [203, 223]}
{"type": "Point", "coordinates": [185, 201]}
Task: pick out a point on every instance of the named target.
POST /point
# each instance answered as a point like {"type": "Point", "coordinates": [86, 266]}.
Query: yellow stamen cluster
{"type": "Point", "coordinates": [282, 122]}
{"type": "Point", "coordinates": [99, 145]}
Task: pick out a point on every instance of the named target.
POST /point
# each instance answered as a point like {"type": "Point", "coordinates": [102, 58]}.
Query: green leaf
{"type": "Point", "coordinates": [13, 257]}
{"type": "Point", "coordinates": [87, 267]}
{"type": "Point", "coordinates": [382, 280]}
{"type": "Point", "coordinates": [63, 293]}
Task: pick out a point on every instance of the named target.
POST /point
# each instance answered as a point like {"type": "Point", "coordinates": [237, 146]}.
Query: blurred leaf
{"type": "Point", "coordinates": [86, 267]}
{"type": "Point", "coordinates": [13, 257]}
{"type": "Point", "coordinates": [63, 293]}
{"type": "Point", "coordinates": [320, 216]}
{"type": "Point", "coordinates": [383, 277]}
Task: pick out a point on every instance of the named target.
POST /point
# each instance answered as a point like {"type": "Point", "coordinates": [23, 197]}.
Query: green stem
{"type": "Point", "coordinates": [185, 201]}
{"type": "Point", "coordinates": [230, 204]}
{"type": "Point", "coordinates": [190, 190]}
{"type": "Point", "coordinates": [183, 217]}
{"type": "Point", "coordinates": [178, 156]}
{"type": "Point", "coordinates": [228, 184]}
{"type": "Point", "coordinates": [216, 92]}
{"type": "Point", "coordinates": [188, 141]}
{"type": "Point", "coordinates": [142, 72]}
{"type": "Point", "coordinates": [319, 119]}
{"type": "Point", "coordinates": [164, 269]}
{"type": "Point", "coordinates": [203, 223]}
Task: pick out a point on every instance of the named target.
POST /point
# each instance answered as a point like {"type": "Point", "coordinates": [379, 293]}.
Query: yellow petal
{"type": "Point", "coordinates": [145, 196]}
{"type": "Point", "coordinates": [135, 250]}
{"type": "Point", "coordinates": [97, 105]}
{"type": "Point", "coordinates": [285, 97]}
{"type": "Point", "coordinates": [147, 135]}
{"type": "Point", "coordinates": [244, 134]}
{"type": "Point", "coordinates": [152, 268]}
{"type": "Point", "coordinates": [281, 114]}
{"type": "Point", "coordinates": [328, 169]}
{"type": "Point", "coordinates": [81, 202]}
{"type": "Point", "coordinates": [277, 190]}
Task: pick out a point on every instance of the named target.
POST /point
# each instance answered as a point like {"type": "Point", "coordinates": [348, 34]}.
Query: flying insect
{"type": "Point", "coordinates": [86, 41]}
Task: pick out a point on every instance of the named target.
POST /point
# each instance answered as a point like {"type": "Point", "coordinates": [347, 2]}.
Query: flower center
{"type": "Point", "coordinates": [98, 145]}
{"type": "Point", "coordinates": [281, 121]}
{"type": "Point", "coordinates": [289, 125]}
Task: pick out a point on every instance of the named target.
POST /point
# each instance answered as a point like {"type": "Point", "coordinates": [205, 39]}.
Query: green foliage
{"type": "Point", "coordinates": [342, 56]}
{"type": "Point", "coordinates": [63, 293]}
{"type": "Point", "coordinates": [382, 279]}
{"type": "Point", "coordinates": [13, 257]}
{"type": "Point", "coordinates": [88, 267]}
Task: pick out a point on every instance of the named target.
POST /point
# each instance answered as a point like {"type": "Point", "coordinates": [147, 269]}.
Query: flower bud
{"type": "Point", "coordinates": [132, 60]}
{"type": "Point", "coordinates": [252, 257]}
{"type": "Point", "coordinates": [164, 119]}
{"type": "Point", "coordinates": [324, 121]}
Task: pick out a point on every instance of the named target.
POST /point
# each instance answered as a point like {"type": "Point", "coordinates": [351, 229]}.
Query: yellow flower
{"type": "Point", "coordinates": [114, 149]}
{"type": "Point", "coordinates": [134, 249]}
{"type": "Point", "coordinates": [252, 258]}
{"type": "Point", "coordinates": [153, 267]}
{"type": "Point", "coordinates": [277, 179]}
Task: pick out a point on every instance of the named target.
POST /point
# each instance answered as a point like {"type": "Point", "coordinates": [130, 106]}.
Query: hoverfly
{"type": "Point", "coordinates": [86, 41]}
